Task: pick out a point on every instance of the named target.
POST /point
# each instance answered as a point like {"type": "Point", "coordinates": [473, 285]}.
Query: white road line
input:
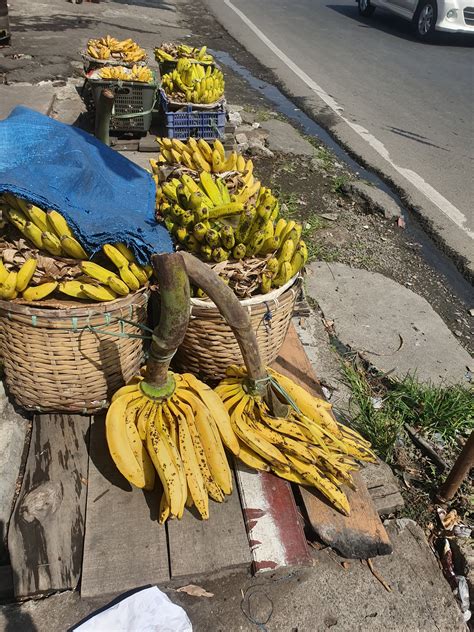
{"type": "Point", "coordinates": [444, 205]}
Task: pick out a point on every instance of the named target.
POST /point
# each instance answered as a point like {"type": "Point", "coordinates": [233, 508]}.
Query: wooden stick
{"type": "Point", "coordinates": [459, 472]}
{"type": "Point", "coordinates": [425, 447]}
{"type": "Point", "coordinates": [174, 317]}
{"type": "Point", "coordinates": [103, 115]}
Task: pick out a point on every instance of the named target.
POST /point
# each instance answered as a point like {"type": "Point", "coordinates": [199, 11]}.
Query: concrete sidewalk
{"type": "Point", "coordinates": [48, 36]}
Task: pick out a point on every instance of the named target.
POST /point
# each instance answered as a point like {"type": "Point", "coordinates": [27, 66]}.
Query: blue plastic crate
{"type": "Point", "coordinates": [207, 124]}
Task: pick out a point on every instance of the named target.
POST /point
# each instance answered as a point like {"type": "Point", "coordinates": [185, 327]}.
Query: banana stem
{"type": "Point", "coordinates": [174, 318]}
{"type": "Point", "coordinates": [229, 306]}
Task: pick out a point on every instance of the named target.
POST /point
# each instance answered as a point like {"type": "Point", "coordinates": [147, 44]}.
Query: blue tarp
{"type": "Point", "coordinates": [104, 197]}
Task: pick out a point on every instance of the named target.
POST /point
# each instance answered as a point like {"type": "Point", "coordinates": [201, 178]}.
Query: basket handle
{"type": "Point", "coordinates": [229, 306]}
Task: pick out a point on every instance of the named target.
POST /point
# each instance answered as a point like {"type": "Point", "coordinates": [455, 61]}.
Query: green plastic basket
{"type": "Point", "coordinates": [133, 105]}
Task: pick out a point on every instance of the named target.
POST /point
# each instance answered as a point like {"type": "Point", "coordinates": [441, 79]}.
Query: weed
{"type": "Point", "coordinates": [379, 426]}
{"type": "Point", "coordinates": [292, 204]}
{"type": "Point", "coordinates": [442, 412]}
{"type": "Point", "coordinates": [326, 158]}
{"type": "Point", "coordinates": [339, 184]}
{"type": "Point", "coordinates": [446, 411]}
{"type": "Point", "coordinates": [289, 167]}
{"type": "Point", "coordinates": [329, 253]}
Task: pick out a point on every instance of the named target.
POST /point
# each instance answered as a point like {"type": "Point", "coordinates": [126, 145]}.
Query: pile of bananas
{"type": "Point", "coordinates": [217, 225]}
{"type": "Point", "coordinates": [48, 232]}
{"type": "Point", "coordinates": [14, 282]}
{"type": "Point", "coordinates": [136, 73]}
{"type": "Point", "coordinates": [307, 447]}
{"type": "Point", "coordinates": [169, 51]}
{"type": "Point", "coordinates": [113, 49]}
{"type": "Point", "coordinates": [181, 437]}
{"type": "Point", "coordinates": [198, 155]}
{"type": "Point", "coordinates": [192, 83]}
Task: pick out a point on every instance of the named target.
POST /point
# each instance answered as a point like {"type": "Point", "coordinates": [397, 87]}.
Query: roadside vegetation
{"type": "Point", "coordinates": [386, 411]}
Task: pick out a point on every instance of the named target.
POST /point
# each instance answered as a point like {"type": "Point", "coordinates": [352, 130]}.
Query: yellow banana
{"type": "Point", "coordinates": [8, 287]}
{"type": "Point", "coordinates": [160, 454]}
{"type": "Point", "coordinates": [33, 233]}
{"type": "Point", "coordinates": [25, 274]}
{"type": "Point", "coordinates": [118, 443]}
{"type": "Point", "coordinates": [58, 224]}
{"type": "Point", "coordinates": [217, 410]}
{"type": "Point", "coordinates": [73, 248]}
{"type": "Point", "coordinates": [3, 272]}
{"type": "Point", "coordinates": [38, 292]}
{"type": "Point", "coordinates": [98, 292]}
{"type": "Point", "coordinates": [129, 278]}
{"type": "Point", "coordinates": [139, 272]}
{"type": "Point", "coordinates": [51, 243]}
{"type": "Point", "coordinates": [37, 216]}
{"type": "Point", "coordinates": [139, 449]}
{"type": "Point", "coordinates": [72, 288]}
{"type": "Point", "coordinates": [118, 286]}
{"type": "Point", "coordinates": [115, 256]}
{"type": "Point", "coordinates": [97, 272]}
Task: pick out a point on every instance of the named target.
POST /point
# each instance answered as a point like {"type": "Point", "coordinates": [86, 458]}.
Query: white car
{"type": "Point", "coordinates": [427, 16]}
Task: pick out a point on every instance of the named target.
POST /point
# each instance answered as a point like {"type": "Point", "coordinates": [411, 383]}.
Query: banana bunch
{"type": "Point", "coordinates": [169, 51]}
{"type": "Point", "coordinates": [180, 436]}
{"type": "Point", "coordinates": [136, 73]}
{"type": "Point", "coordinates": [15, 282]}
{"type": "Point", "coordinates": [199, 155]}
{"type": "Point", "coordinates": [49, 231]}
{"type": "Point", "coordinates": [216, 225]}
{"type": "Point", "coordinates": [101, 284]}
{"type": "Point", "coordinates": [111, 48]}
{"type": "Point", "coordinates": [192, 83]}
{"type": "Point", "coordinates": [46, 230]}
{"type": "Point", "coordinates": [307, 447]}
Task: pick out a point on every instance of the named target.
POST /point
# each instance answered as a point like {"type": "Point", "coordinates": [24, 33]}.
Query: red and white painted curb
{"type": "Point", "coordinates": [273, 524]}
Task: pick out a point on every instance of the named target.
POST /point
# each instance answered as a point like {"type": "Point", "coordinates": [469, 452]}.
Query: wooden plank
{"type": "Point", "coordinates": [362, 534]}
{"type": "Point", "coordinates": [383, 487]}
{"type": "Point", "coordinates": [200, 546]}
{"type": "Point", "coordinates": [124, 545]}
{"type": "Point", "coordinates": [46, 532]}
{"type": "Point", "coordinates": [274, 526]}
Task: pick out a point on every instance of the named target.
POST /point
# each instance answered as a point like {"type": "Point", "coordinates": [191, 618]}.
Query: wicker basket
{"type": "Point", "coordinates": [209, 346]}
{"type": "Point", "coordinates": [69, 358]}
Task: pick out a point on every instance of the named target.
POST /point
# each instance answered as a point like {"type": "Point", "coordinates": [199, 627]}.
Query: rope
{"type": "Point", "coordinates": [96, 329]}
{"type": "Point", "coordinates": [269, 379]}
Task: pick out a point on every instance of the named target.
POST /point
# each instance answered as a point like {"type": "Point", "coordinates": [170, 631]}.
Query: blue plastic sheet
{"type": "Point", "coordinates": [105, 197]}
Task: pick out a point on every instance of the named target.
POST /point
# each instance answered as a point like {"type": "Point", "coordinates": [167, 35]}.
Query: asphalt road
{"type": "Point", "coordinates": [405, 107]}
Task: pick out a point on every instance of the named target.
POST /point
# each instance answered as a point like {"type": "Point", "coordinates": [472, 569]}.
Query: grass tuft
{"type": "Point", "coordinates": [442, 412]}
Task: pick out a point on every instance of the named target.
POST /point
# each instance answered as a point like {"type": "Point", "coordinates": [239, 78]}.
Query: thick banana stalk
{"type": "Point", "coordinates": [229, 305]}
{"type": "Point", "coordinates": [238, 319]}
{"type": "Point", "coordinates": [169, 334]}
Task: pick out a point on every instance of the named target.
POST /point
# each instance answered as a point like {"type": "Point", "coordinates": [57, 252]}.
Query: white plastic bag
{"type": "Point", "coordinates": [148, 610]}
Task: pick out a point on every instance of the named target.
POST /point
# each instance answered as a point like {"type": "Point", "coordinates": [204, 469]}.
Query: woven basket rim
{"type": "Point", "coordinates": [85, 309]}
{"type": "Point", "coordinates": [258, 299]}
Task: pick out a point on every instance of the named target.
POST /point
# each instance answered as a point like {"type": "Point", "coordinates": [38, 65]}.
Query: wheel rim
{"type": "Point", "coordinates": [364, 4]}
{"type": "Point", "coordinates": [425, 20]}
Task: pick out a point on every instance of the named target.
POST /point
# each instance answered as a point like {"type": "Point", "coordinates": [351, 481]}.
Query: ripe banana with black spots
{"type": "Point", "coordinates": [181, 433]}
{"type": "Point", "coordinates": [307, 446]}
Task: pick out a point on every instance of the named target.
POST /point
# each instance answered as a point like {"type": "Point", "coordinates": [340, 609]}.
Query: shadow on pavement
{"type": "Point", "coordinates": [398, 27]}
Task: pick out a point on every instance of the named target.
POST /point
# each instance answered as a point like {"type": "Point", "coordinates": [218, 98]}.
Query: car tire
{"type": "Point", "coordinates": [365, 8]}
{"type": "Point", "coordinates": [425, 20]}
